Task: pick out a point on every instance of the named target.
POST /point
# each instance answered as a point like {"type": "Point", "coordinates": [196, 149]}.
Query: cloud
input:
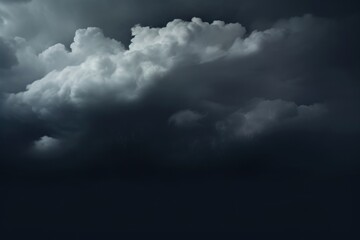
{"type": "Point", "coordinates": [46, 144]}
{"type": "Point", "coordinates": [103, 99]}
{"type": "Point", "coordinates": [99, 68]}
{"type": "Point", "coordinates": [98, 71]}
{"type": "Point", "coordinates": [185, 118]}
{"type": "Point", "coordinates": [265, 115]}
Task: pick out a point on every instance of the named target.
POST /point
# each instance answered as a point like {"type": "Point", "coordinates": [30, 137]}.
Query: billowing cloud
{"type": "Point", "coordinates": [100, 69]}
{"type": "Point", "coordinates": [188, 92]}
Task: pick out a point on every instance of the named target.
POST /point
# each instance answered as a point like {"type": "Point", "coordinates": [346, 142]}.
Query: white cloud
{"type": "Point", "coordinates": [98, 68]}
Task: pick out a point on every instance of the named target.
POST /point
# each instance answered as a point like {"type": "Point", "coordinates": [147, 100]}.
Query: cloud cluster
{"type": "Point", "coordinates": [99, 68]}
{"type": "Point", "coordinates": [188, 92]}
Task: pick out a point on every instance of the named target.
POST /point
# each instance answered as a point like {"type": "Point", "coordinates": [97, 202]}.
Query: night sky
{"type": "Point", "coordinates": [192, 115]}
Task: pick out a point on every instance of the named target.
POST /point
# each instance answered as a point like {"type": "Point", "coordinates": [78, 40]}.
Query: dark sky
{"type": "Point", "coordinates": [179, 115]}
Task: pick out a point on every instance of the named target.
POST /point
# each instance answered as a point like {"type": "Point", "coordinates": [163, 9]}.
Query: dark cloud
{"type": "Point", "coordinates": [7, 55]}
{"type": "Point", "coordinates": [178, 92]}
{"type": "Point", "coordinates": [189, 93]}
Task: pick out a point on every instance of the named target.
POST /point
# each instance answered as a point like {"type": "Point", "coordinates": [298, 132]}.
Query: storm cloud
{"type": "Point", "coordinates": [186, 91]}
